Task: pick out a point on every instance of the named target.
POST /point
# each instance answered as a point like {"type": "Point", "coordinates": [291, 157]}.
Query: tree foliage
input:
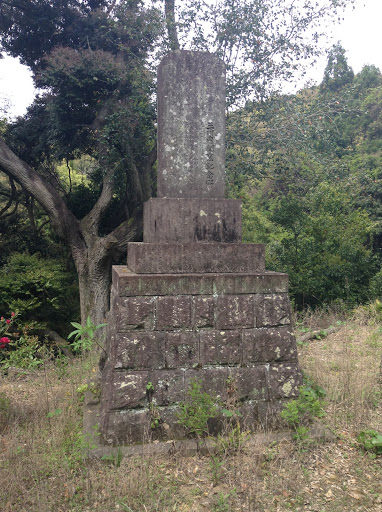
{"type": "Point", "coordinates": [92, 61]}
{"type": "Point", "coordinates": [314, 194]}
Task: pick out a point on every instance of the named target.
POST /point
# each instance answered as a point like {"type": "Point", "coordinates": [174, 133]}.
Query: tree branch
{"type": "Point", "coordinates": [169, 10]}
{"type": "Point", "coordinates": [63, 220]}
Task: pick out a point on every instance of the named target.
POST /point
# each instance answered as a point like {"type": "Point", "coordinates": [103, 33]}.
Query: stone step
{"type": "Point", "coordinates": [128, 283]}
{"type": "Point", "coordinates": [172, 258]}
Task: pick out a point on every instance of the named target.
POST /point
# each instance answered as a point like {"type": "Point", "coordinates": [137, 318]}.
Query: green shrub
{"type": "Point", "coordinates": [307, 406]}
{"type": "Point", "coordinates": [371, 441]}
{"type": "Point", "coordinates": [198, 408]}
{"type": "Point", "coordinates": [40, 290]}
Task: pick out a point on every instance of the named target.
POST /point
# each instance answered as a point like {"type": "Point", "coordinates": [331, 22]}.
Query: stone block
{"type": "Point", "coordinates": [249, 415]}
{"type": "Point", "coordinates": [191, 125]}
{"type": "Point", "coordinates": [126, 427]}
{"type": "Point", "coordinates": [203, 312]}
{"type": "Point", "coordinates": [129, 284]}
{"type": "Point", "coordinates": [213, 381]}
{"type": "Point", "coordinates": [186, 258]}
{"type": "Point", "coordinates": [284, 380]}
{"type": "Point", "coordinates": [267, 282]}
{"type": "Point", "coordinates": [272, 309]}
{"type": "Point", "coordinates": [269, 414]}
{"type": "Point", "coordinates": [220, 347]}
{"type": "Point", "coordinates": [234, 311]}
{"type": "Point", "coordinates": [135, 313]}
{"type": "Point", "coordinates": [249, 383]}
{"type": "Point", "coordinates": [173, 312]}
{"type": "Point", "coordinates": [129, 390]}
{"type": "Point", "coordinates": [182, 349]}
{"type": "Point", "coordinates": [140, 350]}
{"type": "Point", "coordinates": [170, 427]}
{"type": "Point", "coordinates": [268, 345]}
{"type": "Point", "coordinates": [192, 220]}
{"type": "Point", "coordinates": [168, 386]}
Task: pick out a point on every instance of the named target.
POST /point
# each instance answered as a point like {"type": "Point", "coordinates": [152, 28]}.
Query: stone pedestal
{"type": "Point", "coordinates": [229, 330]}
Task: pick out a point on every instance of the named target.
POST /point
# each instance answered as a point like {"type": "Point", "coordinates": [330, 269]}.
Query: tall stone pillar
{"type": "Point", "coordinates": [193, 301]}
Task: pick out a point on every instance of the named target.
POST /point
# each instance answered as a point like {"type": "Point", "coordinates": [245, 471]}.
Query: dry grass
{"type": "Point", "coordinates": [43, 465]}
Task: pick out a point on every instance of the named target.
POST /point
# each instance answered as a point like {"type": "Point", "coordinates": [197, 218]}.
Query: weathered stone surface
{"type": "Point", "coordinates": [125, 427]}
{"type": "Point", "coordinates": [140, 350]}
{"type": "Point", "coordinates": [269, 414]}
{"type": "Point", "coordinates": [234, 311]}
{"type": "Point", "coordinates": [129, 284]}
{"type": "Point", "coordinates": [225, 284]}
{"type": "Point", "coordinates": [177, 258]}
{"type": "Point", "coordinates": [129, 390]}
{"type": "Point", "coordinates": [203, 312]}
{"type": "Point", "coordinates": [220, 347]}
{"type": "Point", "coordinates": [135, 313]}
{"type": "Point", "coordinates": [249, 414]}
{"type": "Point", "coordinates": [173, 312]}
{"type": "Point", "coordinates": [272, 310]}
{"type": "Point", "coordinates": [168, 386]}
{"type": "Point", "coordinates": [170, 427]}
{"type": "Point", "coordinates": [192, 220]}
{"type": "Point", "coordinates": [249, 383]}
{"type": "Point", "coordinates": [182, 349]}
{"type": "Point", "coordinates": [268, 345]}
{"type": "Point", "coordinates": [213, 380]}
{"type": "Point", "coordinates": [284, 380]}
{"type": "Point", "coordinates": [191, 125]}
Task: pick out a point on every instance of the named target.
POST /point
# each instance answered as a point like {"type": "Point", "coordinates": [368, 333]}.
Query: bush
{"type": "Point", "coordinates": [40, 290]}
{"type": "Point", "coordinates": [198, 408]}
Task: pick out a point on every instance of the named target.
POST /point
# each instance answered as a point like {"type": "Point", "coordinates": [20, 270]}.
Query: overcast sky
{"type": "Point", "coordinates": [360, 34]}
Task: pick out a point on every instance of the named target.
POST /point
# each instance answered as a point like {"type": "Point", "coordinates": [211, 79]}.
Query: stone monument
{"type": "Point", "coordinates": [193, 301]}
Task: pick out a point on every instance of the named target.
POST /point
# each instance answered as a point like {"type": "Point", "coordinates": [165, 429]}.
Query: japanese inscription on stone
{"type": "Point", "coordinates": [210, 154]}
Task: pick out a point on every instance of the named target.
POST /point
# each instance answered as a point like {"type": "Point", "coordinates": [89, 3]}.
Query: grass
{"type": "Point", "coordinates": [43, 464]}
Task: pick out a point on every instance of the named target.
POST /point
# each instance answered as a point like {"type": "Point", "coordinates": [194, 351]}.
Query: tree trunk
{"type": "Point", "coordinates": [94, 278]}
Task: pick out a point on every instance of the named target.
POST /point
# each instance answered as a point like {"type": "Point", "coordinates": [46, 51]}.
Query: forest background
{"type": "Point", "coordinates": [76, 169]}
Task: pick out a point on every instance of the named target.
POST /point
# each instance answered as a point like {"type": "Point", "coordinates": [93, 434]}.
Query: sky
{"type": "Point", "coordinates": [360, 34]}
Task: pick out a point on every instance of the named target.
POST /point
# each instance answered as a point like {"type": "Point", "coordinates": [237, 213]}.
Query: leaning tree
{"type": "Point", "coordinates": [92, 62]}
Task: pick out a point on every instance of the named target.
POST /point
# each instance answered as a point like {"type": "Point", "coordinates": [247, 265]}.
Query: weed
{"type": "Point", "coordinates": [232, 440]}
{"type": "Point", "coordinates": [371, 441]}
{"type": "Point", "coordinates": [155, 417]}
{"type": "Point", "coordinates": [321, 334]}
{"type": "Point", "coordinates": [61, 365]}
{"type": "Point", "coordinates": [222, 503]}
{"type": "Point", "coordinates": [4, 403]}
{"type": "Point", "coordinates": [54, 413]}
{"type": "Point", "coordinates": [198, 408]}
{"type": "Point", "coordinates": [84, 335]}
{"type": "Point", "coordinates": [81, 390]}
{"type": "Point", "coordinates": [114, 459]}
{"type": "Point", "coordinates": [215, 465]}
{"type": "Point", "coordinates": [300, 412]}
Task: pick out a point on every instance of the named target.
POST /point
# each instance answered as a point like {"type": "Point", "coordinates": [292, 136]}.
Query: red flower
{"type": "Point", "coordinates": [12, 314]}
{"type": "Point", "coordinates": [9, 320]}
{"type": "Point", "coordinates": [4, 341]}
{"type": "Point", "coordinates": [2, 319]}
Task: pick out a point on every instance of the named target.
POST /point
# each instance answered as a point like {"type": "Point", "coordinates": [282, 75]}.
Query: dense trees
{"type": "Point", "coordinates": [318, 203]}
{"type": "Point", "coordinates": [93, 61]}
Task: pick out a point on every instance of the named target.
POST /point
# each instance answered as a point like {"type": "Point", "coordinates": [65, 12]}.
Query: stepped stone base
{"type": "Point", "coordinates": [159, 258]}
{"type": "Point", "coordinates": [230, 331]}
